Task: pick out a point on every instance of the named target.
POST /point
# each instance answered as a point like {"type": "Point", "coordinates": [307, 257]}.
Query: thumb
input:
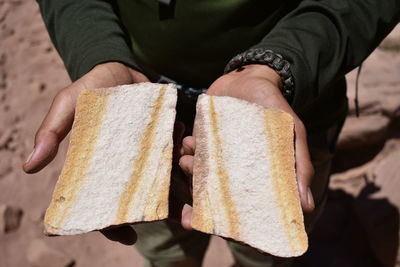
{"type": "Point", "coordinates": [52, 131]}
{"type": "Point", "coordinates": [304, 168]}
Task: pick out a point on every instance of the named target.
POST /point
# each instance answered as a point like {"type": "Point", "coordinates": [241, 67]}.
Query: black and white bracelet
{"type": "Point", "coordinates": [269, 58]}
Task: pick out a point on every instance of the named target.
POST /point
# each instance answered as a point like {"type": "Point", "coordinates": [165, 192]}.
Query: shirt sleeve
{"type": "Point", "coordinates": [86, 33]}
{"type": "Point", "coordinates": [325, 39]}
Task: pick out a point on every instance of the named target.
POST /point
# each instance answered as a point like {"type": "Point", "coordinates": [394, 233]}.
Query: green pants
{"type": "Point", "coordinates": [165, 243]}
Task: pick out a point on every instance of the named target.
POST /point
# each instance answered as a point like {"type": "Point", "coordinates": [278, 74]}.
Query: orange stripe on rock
{"type": "Point", "coordinates": [141, 160]}
{"type": "Point", "coordinates": [228, 203]}
{"type": "Point", "coordinates": [280, 146]}
{"type": "Point", "coordinates": [90, 111]}
{"type": "Point", "coordinates": [156, 207]}
{"type": "Point", "coordinates": [202, 218]}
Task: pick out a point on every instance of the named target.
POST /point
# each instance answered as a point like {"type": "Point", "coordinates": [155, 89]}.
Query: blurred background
{"type": "Point", "coordinates": [360, 226]}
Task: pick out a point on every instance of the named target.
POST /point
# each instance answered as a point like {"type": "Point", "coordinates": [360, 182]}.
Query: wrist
{"type": "Point", "coordinates": [263, 72]}
{"type": "Point", "coordinates": [275, 61]}
{"type": "Point", "coordinates": [253, 75]}
{"type": "Point", "coordinates": [254, 83]}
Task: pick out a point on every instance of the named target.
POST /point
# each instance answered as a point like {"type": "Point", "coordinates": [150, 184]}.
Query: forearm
{"type": "Point", "coordinates": [86, 33]}
{"type": "Point", "coordinates": [325, 39]}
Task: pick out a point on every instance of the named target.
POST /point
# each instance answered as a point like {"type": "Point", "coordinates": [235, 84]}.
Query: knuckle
{"type": "Point", "coordinates": [66, 96]}
{"type": "Point", "coordinates": [185, 140]}
{"type": "Point", "coordinates": [183, 161]}
{"type": "Point", "coordinates": [219, 85]}
{"type": "Point", "coordinates": [45, 134]}
{"type": "Point", "coordinates": [187, 144]}
{"type": "Point", "coordinates": [39, 135]}
{"type": "Point", "coordinates": [63, 95]}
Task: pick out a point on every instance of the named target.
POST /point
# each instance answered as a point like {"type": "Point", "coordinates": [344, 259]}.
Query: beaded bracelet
{"type": "Point", "coordinates": [269, 58]}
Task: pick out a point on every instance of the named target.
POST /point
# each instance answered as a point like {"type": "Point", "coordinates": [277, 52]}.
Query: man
{"type": "Point", "coordinates": [292, 55]}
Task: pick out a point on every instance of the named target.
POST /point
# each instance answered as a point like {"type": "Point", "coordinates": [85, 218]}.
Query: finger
{"type": "Point", "coordinates": [53, 129]}
{"type": "Point", "coordinates": [43, 153]}
{"type": "Point", "coordinates": [124, 234]}
{"type": "Point", "coordinates": [186, 219]}
{"type": "Point", "coordinates": [304, 169]}
{"type": "Point", "coordinates": [186, 164]}
{"type": "Point", "coordinates": [188, 145]}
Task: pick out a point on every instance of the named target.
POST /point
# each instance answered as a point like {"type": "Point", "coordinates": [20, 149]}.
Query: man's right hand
{"type": "Point", "coordinates": [59, 119]}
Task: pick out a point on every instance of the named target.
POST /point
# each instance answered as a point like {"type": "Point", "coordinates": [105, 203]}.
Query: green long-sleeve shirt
{"type": "Point", "coordinates": [322, 40]}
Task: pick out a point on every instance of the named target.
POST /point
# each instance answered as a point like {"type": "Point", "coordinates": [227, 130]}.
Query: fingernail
{"type": "Point", "coordinates": [310, 199]}
{"type": "Point", "coordinates": [30, 156]}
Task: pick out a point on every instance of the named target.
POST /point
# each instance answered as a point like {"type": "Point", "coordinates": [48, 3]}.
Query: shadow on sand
{"type": "Point", "coordinates": [360, 231]}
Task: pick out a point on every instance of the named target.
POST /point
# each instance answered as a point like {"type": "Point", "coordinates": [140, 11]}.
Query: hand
{"type": "Point", "coordinates": [259, 84]}
{"type": "Point", "coordinates": [58, 121]}
{"type": "Point", "coordinates": [59, 118]}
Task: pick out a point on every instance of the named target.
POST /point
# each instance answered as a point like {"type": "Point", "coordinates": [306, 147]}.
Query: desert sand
{"type": "Point", "coordinates": [360, 226]}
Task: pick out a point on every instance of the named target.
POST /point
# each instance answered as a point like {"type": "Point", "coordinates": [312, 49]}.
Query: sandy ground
{"type": "Point", "coordinates": [31, 73]}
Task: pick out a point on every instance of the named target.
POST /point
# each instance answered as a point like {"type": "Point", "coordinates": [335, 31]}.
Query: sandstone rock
{"type": "Point", "coordinates": [387, 176]}
{"type": "Point", "coordinates": [367, 104]}
{"type": "Point", "coordinates": [363, 131]}
{"type": "Point", "coordinates": [391, 105]}
{"type": "Point", "coordinates": [10, 218]}
{"type": "Point", "coordinates": [384, 101]}
{"type": "Point", "coordinates": [40, 254]}
{"type": "Point", "coordinates": [378, 210]}
{"type": "Point", "coordinates": [382, 167]}
{"type": "Point", "coordinates": [379, 88]}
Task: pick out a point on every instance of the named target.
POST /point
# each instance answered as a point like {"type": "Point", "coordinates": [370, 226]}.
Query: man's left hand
{"type": "Point", "coordinates": [258, 84]}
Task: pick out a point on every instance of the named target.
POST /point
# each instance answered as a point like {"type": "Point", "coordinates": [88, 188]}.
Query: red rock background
{"type": "Point", "coordinates": [359, 228]}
